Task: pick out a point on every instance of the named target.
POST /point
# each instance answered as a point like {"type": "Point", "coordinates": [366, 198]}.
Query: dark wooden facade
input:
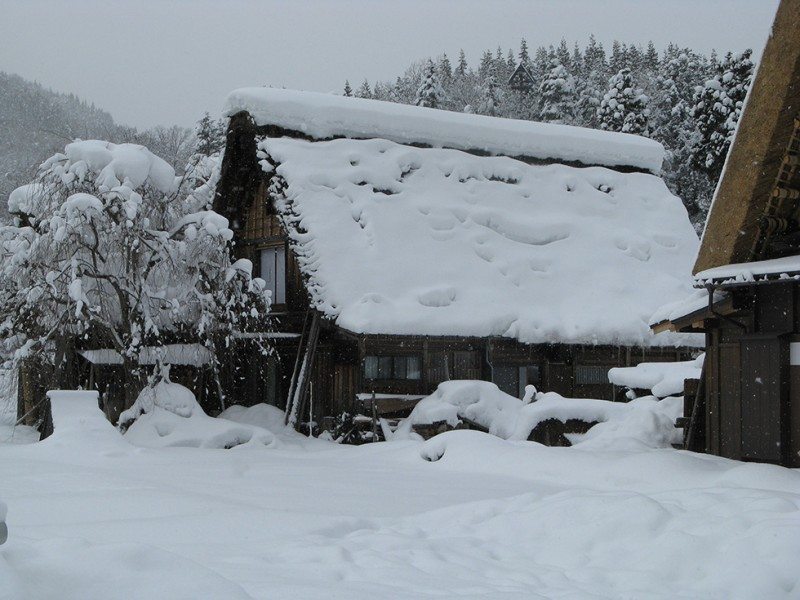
{"type": "Point", "coordinates": [748, 407]}
{"type": "Point", "coordinates": [347, 365]}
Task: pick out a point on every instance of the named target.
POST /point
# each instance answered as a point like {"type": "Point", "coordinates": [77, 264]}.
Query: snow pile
{"type": "Point", "coordinates": [78, 423]}
{"type": "Point", "coordinates": [168, 415]}
{"type": "Point", "coordinates": [324, 116]}
{"type": "Point", "coordinates": [262, 415]}
{"type": "Point", "coordinates": [644, 423]}
{"type": "Point", "coordinates": [662, 378]}
{"type": "Point", "coordinates": [752, 271]}
{"type": "Point", "coordinates": [403, 240]}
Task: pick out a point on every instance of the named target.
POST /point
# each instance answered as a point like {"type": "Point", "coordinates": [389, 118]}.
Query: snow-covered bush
{"type": "Point", "coordinates": [167, 414]}
{"type": "Point", "coordinates": [108, 245]}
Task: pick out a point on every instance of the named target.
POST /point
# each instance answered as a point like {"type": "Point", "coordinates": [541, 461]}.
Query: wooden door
{"type": "Point", "coordinates": [764, 387]}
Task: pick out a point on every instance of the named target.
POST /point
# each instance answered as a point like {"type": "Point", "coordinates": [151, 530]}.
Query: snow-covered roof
{"type": "Point", "coordinates": [672, 311]}
{"type": "Point", "coordinates": [324, 116]}
{"type": "Point", "coordinates": [172, 354]}
{"type": "Point", "coordinates": [662, 378]}
{"type": "Point", "coordinates": [774, 268]}
{"type": "Point", "coordinates": [423, 241]}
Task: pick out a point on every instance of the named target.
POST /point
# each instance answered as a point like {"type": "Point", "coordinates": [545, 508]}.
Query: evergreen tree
{"type": "Point", "coordinates": [511, 63]}
{"type": "Point", "coordinates": [430, 93]}
{"type": "Point", "coordinates": [524, 57]}
{"type": "Point", "coordinates": [563, 55]}
{"type": "Point", "coordinates": [557, 95]}
{"type": "Point", "coordinates": [487, 65]}
{"type": "Point", "coordinates": [348, 91]}
{"type": "Point", "coordinates": [209, 136]}
{"type": "Point", "coordinates": [364, 91]}
{"type": "Point", "coordinates": [650, 60]}
{"type": "Point", "coordinates": [461, 67]}
{"type": "Point", "coordinates": [624, 107]}
{"type": "Point", "coordinates": [445, 68]}
{"type": "Point", "coordinates": [491, 97]}
{"type": "Point", "coordinates": [718, 105]}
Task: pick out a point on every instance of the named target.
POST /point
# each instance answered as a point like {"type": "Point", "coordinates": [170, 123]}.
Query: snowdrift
{"type": "Point", "coordinates": [168, 415]}
{"type": "Point", "coordinates": [641, 423]}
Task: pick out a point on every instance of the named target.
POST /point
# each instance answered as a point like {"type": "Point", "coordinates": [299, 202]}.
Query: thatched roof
{"type": "Point", "coordinates": [754, 213]}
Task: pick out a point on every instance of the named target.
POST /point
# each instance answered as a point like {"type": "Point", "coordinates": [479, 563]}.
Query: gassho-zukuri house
{"type": "Point", "coordinates": [748, 274]}
{"type": "Point", "coordinates": [407, 246]}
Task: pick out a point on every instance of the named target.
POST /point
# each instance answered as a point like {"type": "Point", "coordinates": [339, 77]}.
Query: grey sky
{"type": "Point", "coordinates": [167, 61]}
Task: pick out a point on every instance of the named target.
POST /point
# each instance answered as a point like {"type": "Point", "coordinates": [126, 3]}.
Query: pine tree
{"type": "Point", "coordinates": [563, 55]}
{"type": "Point", "coordinates": [364, 91]}
{"type": "Point", "coordinates": [557, 95]}
{"type": "Point", "coordinates": [461, 67]}
{"type": "Point", "coordinates": [486, 66]}
{"type": "Point", "coordinates": [348, 91]}
{"type": "Point", "coordinates": [209, 135]}
{"type": "Point", "coordinates": [718, 105]}
{"type": "Point", "coordinates": [524, 57]}
{"type": "Point", "coordinates": [491, 97]}
{"type": "Point", "coordinates": [445, 68]}
{"type": "Point", "coordinates": [650, 60]}
{"type": "Point", "coordinates": [624, 107]}
{"type": "Point", "coordinates": [430, 93]}
{"type": "Point", "coordinates": [511, 62]}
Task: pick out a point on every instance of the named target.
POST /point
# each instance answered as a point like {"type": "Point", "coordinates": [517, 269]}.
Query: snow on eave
{"type": "Point", "coordinates": [324, 116]}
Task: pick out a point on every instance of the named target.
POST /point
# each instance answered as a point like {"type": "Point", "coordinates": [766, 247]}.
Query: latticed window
{"type": "Point", "coordinates": [590, 375]}
{"type": "Point", "coordinates": [392, 367]}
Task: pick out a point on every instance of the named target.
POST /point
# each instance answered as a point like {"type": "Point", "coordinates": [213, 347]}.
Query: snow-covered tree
{"type": "Point", "coordinates": [524, 56]}
{"type": "Point", "coordinates": [430, 92]}
{"type": "Point", "coordinates": [718, 105]}
{"type": "Point", "coordinates": [461, 66]}
{"type": "Point", "coordinates": [557, 95]}
{"type": "Point", "coordinates": [110, 248]}
{"type": "Point", "coordinates": [348, 91]}
{"type": "Point", "coordinates": [490, 98]}
{"type": "Point", "coordinates": [364, 91]}
{"type": "Point", "coordinates": [624, 106]}
{"type": "Point", "coordinates": [209, 136]}
{"type": "Point", "coordinates": [444, 68]}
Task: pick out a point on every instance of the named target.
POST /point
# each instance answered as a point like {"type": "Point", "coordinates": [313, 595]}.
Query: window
{"type": "Point", "coordinates": [273, 272]}
{"type": "Point", "coordinates": [392, 367]}
{"type": "Point", "coordinates": [590, 375]}
{"type": "Point", "coordinates": [529, 375]}
{"type": "Point", "coordinates": [512, 380]}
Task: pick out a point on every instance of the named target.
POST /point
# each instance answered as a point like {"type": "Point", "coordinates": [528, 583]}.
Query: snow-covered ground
{"type": "Point", "coordinates": [464, 515]}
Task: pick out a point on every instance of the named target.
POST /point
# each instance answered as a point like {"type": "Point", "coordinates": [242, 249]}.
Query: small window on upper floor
{"type": "Point", "coordinates": [273, 272]}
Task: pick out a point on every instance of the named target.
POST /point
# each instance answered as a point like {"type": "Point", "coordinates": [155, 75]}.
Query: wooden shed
{"type": "Point", "coordinates": [748, 269]}
{"type": "Point", "coordinates": [407, 246]}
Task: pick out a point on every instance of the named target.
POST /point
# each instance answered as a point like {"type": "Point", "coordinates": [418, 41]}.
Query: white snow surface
{"type": "Point", "coordinates": [464, 515]}
{"type": "Point", "coordinates": [323, 116]}
{"type": "Point", "coordinates": [695, 301]}
{"type": "Point", "coordinates": [662, 378]}
{"type": "Point", "coordinates": [644, 423]}
{"type": "Point", "coordinates": [426, 241]}
{"type": "Point", "coordinates": [751, 271]}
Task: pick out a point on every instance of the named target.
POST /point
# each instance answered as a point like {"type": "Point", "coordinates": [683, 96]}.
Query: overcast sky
{"type": "Point", "coordinates": [166, 61]}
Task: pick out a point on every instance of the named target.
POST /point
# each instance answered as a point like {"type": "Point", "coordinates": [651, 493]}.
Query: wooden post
{"type": "Point", "coordinates": [374, 418]}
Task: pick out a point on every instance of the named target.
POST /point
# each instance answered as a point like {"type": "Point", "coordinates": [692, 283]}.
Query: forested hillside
{"type": "Point", "coordinates": [36, 122]}
{"type": "Point", "coordinates": [686, 100]}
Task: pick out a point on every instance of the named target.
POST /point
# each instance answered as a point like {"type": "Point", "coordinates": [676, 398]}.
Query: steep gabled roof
{"type": "Point", "coordinates": [326, 116]}
{"type": "Point", "coordinates": [758, 196]}
{"type": "Point", "coordinates": [395, 239]}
